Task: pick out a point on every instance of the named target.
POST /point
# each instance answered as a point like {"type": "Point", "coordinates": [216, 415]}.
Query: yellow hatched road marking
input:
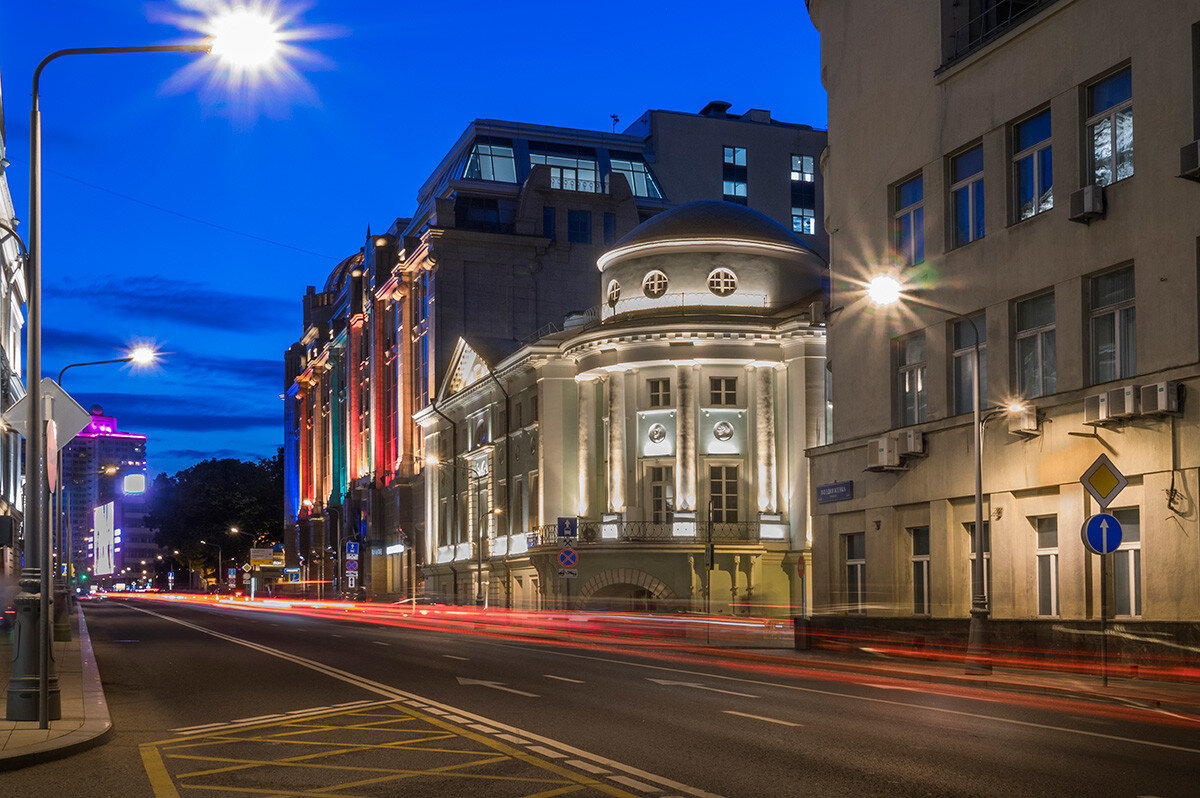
{"type": "Point", "coordinates": [156, 770]}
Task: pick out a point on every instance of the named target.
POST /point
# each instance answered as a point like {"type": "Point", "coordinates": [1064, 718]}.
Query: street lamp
{"type": "Point", "coordinates": [885, 290]}
{"type": "Point", "coordinates": [141, 356]}
{"type": "Point", "coordinates": [218, 548]}
{"type": "Point", "coordinates": [33, 668]}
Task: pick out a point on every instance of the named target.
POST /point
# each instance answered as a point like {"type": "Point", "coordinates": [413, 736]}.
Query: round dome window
{"type": "Point", "coordinates": [654, 284]}
{"type": "Point", "coordinates": [614, 293]}
{"type": "Point", "coordinates": [722, 282]}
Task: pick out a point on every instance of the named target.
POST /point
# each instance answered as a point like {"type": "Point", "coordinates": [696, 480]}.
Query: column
{"type": "Point", "coordinates": [616, 441]}
{"type": "Point", "coordinates": [587, 426]}
{"type": "Point", "coordinates": [764, 438]}
{"type": "Point", "coordinates": [685, 439]}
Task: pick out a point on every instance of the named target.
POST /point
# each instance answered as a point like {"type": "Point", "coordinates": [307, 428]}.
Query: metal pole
{"type": "Point", "coordinates": [1104, 613]}
{"type": "Point", "coordinates": [977, 632]}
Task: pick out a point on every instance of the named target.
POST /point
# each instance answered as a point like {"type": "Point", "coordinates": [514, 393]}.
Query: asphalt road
{"type": "Point", "coordinates": [236, 702]}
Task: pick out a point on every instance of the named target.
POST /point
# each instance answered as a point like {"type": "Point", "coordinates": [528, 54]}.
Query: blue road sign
{"type": "Point", "coordinates": [1101, 533]}
{"type": "Point", "coordinates": [352, 548]}
{"type": "Point", "coordinates": [293, 577]}
{"type": "Point", "coordinates": [351, 565]}
{"type": "Point", "coordinates": [568, 527]}
{"type": "Point", "coordinates": [567, 558]}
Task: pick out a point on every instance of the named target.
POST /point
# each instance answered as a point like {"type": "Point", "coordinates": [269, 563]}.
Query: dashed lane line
{"type": "Point", "coordinates": [632, 774]}
{"type": "Point", "coordinates": [563, 679]}
{"type": "Point", "coordinates": [460, 659]}
{"type": "Point", "coordinates": [761, 717]}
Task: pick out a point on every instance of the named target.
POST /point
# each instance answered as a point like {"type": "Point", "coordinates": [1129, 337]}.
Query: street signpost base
{"type": "Point", "coordinates": [23, 684]}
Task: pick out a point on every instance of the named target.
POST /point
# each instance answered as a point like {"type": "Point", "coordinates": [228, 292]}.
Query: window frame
{"type": "Point", "coordinates": [803, 175]}
{"type": "Point", "coordinates": [725, 511]}
{"type": "Point", "coordinates": [722, 281]}
{"type": "Point", "coordinates": [969, 527]}
{"type": "Point", "coordinates": [856, 601]}
{"type": "Point", "coordinates": [962, 355]}
{"type": "Point", "coordinates": [659, 288]}
{"type": "Point", "coordinates": [915, 213]}
{"type": "Point", "coordinates": [1109, 114]}
{"type": "Point", "coordinates": [1034, 153]}
{"type": "Point", "coordinates": [807, 219]}
{"type": "Point", "coordinates": [659, 391]}
{"type": "Point", "coordinates": [975, 189]}
{"type": "Point", "coordinates": [722, 395]}
{"type": "Point", "coordinates": [577, 231]}
{"type": "Point", "coordinates": [1051, 554]}
{"type": "Point", "coordinates": [1130, 550]}
{"type": "Point", "coordinates": [655, 513]}
{"type": "Point", "coordinates": [1116, 310]}
{"type": "Point", "coordinates": [1038, 333]}
{"type": "Point", "coordinates": [920, 370]}
{"type": "Point", "coordinates": [920, 562]}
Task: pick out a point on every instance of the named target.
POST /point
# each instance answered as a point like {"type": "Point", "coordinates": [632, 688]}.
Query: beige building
{"type": "Point", "coordinates": [676, 416]}
{"type": "Point", "coordinates": [985, 154]}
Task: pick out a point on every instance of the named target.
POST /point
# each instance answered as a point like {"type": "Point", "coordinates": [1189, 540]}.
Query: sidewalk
{"type": "Point", "coordinates": [1173, 696]}
{"type": "Point", "coordinates": [85, 721]}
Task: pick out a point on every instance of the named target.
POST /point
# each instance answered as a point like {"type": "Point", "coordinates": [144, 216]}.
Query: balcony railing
{"type": "Point", "coordinates": [648, 532]}
{"type": "Point", "coordinates": [991, 20]}
{"type": "Point", "coordinates": [574, 184]}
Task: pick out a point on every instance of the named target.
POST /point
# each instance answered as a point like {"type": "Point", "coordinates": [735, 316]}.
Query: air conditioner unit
{"type": "Point", "coordinates": [1086, 204]}
{"type": "Point", "coordinates": [1023, 421]}
{"type": "Point", "coordinates": [883, 453]}
{"type": "Point", "coordinates": [1189, 161]}
{"type": "Point", "coordinates": [1160, 397]}
{"type": "Point", "coordinates": [1095, 408]}
{"type": "Point", "coordinates": [1123, 401]}
{"type": "Point", "coordinates": [911, 443]}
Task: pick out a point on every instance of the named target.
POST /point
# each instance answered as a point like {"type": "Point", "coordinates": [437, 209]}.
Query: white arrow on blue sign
{"type": "Point", "coordinates": [1101, 533]}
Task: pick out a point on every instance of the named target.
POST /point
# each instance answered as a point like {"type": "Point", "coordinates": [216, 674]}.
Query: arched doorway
{"type": "Point", "coordinates": [626, 590]}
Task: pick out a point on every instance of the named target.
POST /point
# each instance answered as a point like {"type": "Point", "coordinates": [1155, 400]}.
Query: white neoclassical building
{"type": "Point", "coordinates": [671, 423]}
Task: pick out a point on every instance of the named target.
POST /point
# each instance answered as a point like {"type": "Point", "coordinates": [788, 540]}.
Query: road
{"type": "Point", "coordinates": [209, 700]}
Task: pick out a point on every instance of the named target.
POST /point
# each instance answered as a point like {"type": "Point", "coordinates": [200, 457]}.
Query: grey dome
{"type": "Point", "coordinates": [710, 219]}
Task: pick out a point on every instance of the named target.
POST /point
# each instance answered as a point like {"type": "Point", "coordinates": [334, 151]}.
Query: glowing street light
{"type": "Point", "coordinates": [244, 37]}
{"type": "Point", "coordinates": [884, 290]}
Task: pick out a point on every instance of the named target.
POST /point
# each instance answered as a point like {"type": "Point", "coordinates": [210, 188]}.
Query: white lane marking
{"type": "Point", "coordinates": [257, 717]}
{"type": "Point", "coordinates": [495, 686]}
{"type": "Point", "coordinates": [588, 766]}
{"type": "Point", "coordinates": [563, 679]}
{"type": "Point", "coordinates": [295, 714]}
{"type": "Point", "coordinates": [512, 738]}
{"type": "Point", "coordinates": [460, 659]}
{"type": "Point", "coordinates": [760, 717]}
{"type": "Point", "coordinates": [479, 727]}
{"type": "Point", "coordinates": [456, 719]}
{"type": "Point", "coordinates": [339, 636]}
{"type": "Point", "coordinates": [635, 784]}
{"type": "Point", "coordinates": [835, 694]}
{"type": "Point", "coordinates": [670, 683]}
{"type": "Point", "coordinates": [380, 643]}
{"type": "Point", "coordinates": [393, 694]}
{"type": "Point", "coordinates": [196, 728]}
{"type": "Point", "coordinates": [547, 752]}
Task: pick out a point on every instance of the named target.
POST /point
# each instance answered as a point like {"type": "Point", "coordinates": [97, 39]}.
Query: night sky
{"type": "Point", "coordinates": [184, 213]}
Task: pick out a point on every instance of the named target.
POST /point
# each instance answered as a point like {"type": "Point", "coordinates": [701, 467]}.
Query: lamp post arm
{"type": "Point", "coordinates": [92, 363]}
{"type": "Point", "coordinates": [198, 47]}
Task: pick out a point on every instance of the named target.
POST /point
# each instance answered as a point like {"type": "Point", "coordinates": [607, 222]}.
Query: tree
{"type": "Point", "coordinates": [207, 500]}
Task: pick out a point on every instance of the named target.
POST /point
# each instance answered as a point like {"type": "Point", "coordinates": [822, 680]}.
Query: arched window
{"type": "Point", "coordinates": [722, 282]}
{"type": "Point", "coordinates": [614, 293]}
{"type": "Point", "coordinates": [654, 284]}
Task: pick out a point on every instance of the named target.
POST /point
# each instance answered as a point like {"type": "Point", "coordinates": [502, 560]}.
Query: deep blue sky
{"type": "Point", "coordinates": [312, 169]}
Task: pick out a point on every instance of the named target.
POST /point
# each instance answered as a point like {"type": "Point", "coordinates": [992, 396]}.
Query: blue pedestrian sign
{"type": "Point", "coordinates": [568, 527]}
{"type": "Point", "coordinates": [567, 558]}
{"type": "Point", "coordinates": [1101, 534]}
{"type": "Point", "coordinates": [352, 549]}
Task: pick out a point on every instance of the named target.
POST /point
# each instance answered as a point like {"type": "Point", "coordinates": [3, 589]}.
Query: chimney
{"type": "Point", "coordinates": [757, 115]}
{"type": "Point", "coordinates": [716, 109]}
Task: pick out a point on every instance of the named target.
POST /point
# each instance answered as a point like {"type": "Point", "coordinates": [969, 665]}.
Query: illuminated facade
{"type": "Point", "coordinates": [1019, 194]}
{"type": "Point", "coordinates": [502, 247]}
{"type": "Point", "coordinates": [676, 416]}
{"type": "Point", "coordinates": [103, 465]}
{"type": "Point", "coordinates": [12, 388]}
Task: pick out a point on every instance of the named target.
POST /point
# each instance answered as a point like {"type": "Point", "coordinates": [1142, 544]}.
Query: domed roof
{"type": "Point", "coordinates": [707, 220]}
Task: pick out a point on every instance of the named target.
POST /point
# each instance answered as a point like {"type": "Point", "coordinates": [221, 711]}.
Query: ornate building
{"type": "Point", "coordinates": [676, 421]}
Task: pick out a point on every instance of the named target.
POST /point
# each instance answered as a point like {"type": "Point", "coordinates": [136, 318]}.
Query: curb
{"type": "Point", "coordinates": [97, 725]}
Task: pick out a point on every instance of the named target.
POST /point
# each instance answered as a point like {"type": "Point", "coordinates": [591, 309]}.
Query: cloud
{"type": "Point", "coordinates": [182, 302]}
{"type": "Point", "coordinates": [142, 411]}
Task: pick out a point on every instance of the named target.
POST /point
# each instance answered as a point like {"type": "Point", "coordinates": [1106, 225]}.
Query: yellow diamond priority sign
{"type": "Point", "coordinates": [1103, 481]}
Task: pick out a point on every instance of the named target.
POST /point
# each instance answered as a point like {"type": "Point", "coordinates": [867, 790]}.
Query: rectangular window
{"type": "Point", "coordinates": [660, 392]}
{"type": "Point", "coordinates": [662, 493]}
{"type": "Point", "coordinates": [548, 222]}
{"type": "Point", "coordinates": [733, 175]}
{"type": "Point", "coordinates": [533, 408]}
{"type": "Point", "coordinates": [522, 505]}
{"type": "Point", "coordinates": [803, 168]}
{"type": "Point", "coordinates": [723, 493]}
{"type": "Point", "coordinates": [1047, 564]}
{"type": "Point", "coordinates": [966, 195]}
{"type": "Point", "coordinates": [1113, 326]}
{"type": "Point", "coordinates": [1037, 366]}
{"type": "Point", "coordinates": [1033, 174]}
{"type": "Point", "coordinates": [964, 364]}
{"type": "Point", "coordinates": [641, 181]}
{"type": "Point", "coordinates": [987, 557]}
{"type": "Point", "coordinates": [804, 221]}
{"type": "Point", "coordinates": [722, 391]}
{"type": "Point", "coordinates": [420, 338]}
{"type": "Point", "coordinates": [856, 571]}
{"type": "Point", "coordinates": [1127, 564]}
{"type": "Point", "coordinates": [569, 170]}
{"type": "Point", "coordinates": [910, 378]}
{"type": "Point", "coordinates": [909, 221]}
{"type": "Point", "coordinates": [535, 501]}
{"type": "Point", "coordinates": [1110, 128]}
{"type": "Point", "coordinates": [491, 159]}
{"type": "Point", "coordinates": [610, 229]}
{"type": "Point", "coordinates": [579, 227]}
{"type": "Point", "coordinates": [517, 417]}
{"type": "Point", "coordinates": [920, 569]}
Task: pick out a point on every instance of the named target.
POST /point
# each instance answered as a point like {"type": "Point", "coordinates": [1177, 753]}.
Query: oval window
{"type": "Point", "coordinates": [654, 284]}
{"type": "Point", "coordinates": [614, 293]}
{"type": "Point", "coordinates": [722, 282]}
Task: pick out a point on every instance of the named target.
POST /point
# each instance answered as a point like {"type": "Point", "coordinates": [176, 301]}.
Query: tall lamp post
{"type": "Point", "coordinates": [33, 692]}
{"type": "Point", "coordinates": [218, 547]}
{"type": "Point", "coordinates": [884, 291]}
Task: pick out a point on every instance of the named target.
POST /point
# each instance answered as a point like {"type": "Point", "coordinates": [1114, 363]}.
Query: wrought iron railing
{"type": "Point", "coordinates": [993, 19]}
{"type": "Point", "coordinates": [574, 184]}
{"type": "Point", "coordinates": [649, 532]}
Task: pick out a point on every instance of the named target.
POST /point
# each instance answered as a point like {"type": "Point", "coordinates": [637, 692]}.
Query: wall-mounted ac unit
{"type": "Point", "coordinates": [1123, 402]}
{"type": "Point", "coordinates": [1086, 204]}
{"type": "Point", "coordinates": [1023, 421]}
{"type": "Point", "coordinates": [1160, 397]}
{"type": "Point", "coordinates": [1189, 161]}
{"type": "Point", "coordinates": [883, 453]}
{"type": "Point", "coordinates": [911, 443]}
{"type": "Point", "coordinates": [1095, 408]}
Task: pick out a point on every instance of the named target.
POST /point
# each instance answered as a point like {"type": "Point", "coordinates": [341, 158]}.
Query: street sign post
{"type": "Point", "coordinates": [262, 557]}
{"type": "Point", "coordinates": [568, 527]}
{"type": "Point", "coordinates": [567, 561]}
{"type": "Point", "coordinates": [351, 566]}
{"type": "Point", "coordinates": [1101, 534]}
{"type": "Point", "coordinates": [246, 568]}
